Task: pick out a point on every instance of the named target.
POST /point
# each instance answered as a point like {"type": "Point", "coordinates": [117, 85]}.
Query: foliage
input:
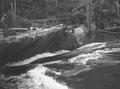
{"type": "Point", "coordinates": [42, 9]}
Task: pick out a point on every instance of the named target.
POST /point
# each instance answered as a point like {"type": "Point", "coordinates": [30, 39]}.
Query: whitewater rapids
{"type": "Point", "coordinates": [48, 76]}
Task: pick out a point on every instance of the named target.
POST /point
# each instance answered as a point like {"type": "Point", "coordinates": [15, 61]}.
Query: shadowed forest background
{"type": "Point", "coordinates": [102, 12]}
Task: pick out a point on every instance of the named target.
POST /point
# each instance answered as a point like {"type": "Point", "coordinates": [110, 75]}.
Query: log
{"type": "Point", "coordinates": [65, 56]}
{"type": "Point", "coordinates": [15, 70]}
{"type": "Point", "coordinates": [112, 28]}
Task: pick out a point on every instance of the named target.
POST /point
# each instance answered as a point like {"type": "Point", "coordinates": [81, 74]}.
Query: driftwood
{"type": "Point", "coordinates": [29, 43]}
{"type": "Point", "coordinates": [18, 29]}
{"type": "Point", "coordinates": [81, 69]}
{"type": "Point", "coordinates": [15, 70]}
{"type": "Point", "coordinates": [76, 52]}
{"type": "Point", "coordinates": [112, 28]}
{"type": "Point", "coordinates": [113, 31]}
{"type": "Point", "coordinates": [109, 32]}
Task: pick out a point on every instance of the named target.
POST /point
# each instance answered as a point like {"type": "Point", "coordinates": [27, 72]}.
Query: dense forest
{"type": "Point", "coordinates": [102, 12]}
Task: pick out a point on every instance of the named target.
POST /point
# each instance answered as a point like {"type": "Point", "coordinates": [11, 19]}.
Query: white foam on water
{"type": "Point", "coordinates": [83, 58]}
{"type": "Point", "coordinates": [33, 79]}
{"type": "Point", "coordinates": [38, 80]}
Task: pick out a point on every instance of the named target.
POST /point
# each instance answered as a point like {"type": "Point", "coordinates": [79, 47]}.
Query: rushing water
{"type": "Point", "coordinates": [65, 74]}
{"type": "Point", "coordinates": [33, 79]}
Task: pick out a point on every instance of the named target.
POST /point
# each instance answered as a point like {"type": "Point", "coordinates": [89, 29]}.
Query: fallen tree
{"type": "Point", "coordinates": [29, 44]}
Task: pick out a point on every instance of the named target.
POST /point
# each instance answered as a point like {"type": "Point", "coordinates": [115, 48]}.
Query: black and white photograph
{"type": "Point", "coordinates": [59, 44]}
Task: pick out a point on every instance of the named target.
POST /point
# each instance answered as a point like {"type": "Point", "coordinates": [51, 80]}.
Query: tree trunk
{"type": "Point", "coordinates": [89, 16]}
{"type": "Point", "coordinates": [56, 1]}
{"type": "Point", "coordinates": [118, 9]}
{"type": "Point", "coordinates": [14, 18]}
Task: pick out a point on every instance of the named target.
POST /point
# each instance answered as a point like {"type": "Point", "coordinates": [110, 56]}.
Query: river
{"type": "Point", "coordinates": [96, 66]}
